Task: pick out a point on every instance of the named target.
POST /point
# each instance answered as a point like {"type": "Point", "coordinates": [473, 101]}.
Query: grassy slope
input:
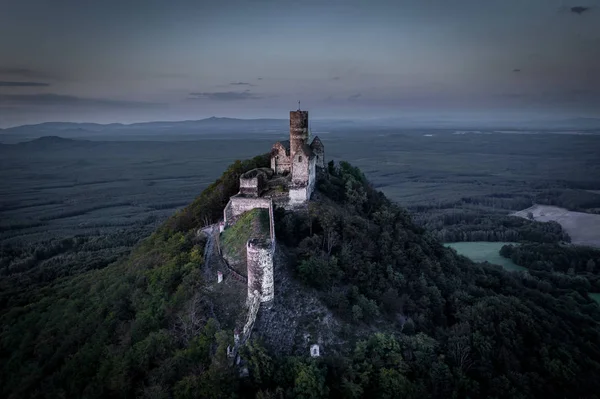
{"type": "Point", "coordinates": [252, 224]}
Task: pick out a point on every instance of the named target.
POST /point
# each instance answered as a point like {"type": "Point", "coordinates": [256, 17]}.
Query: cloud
{"type": "Point", "coordinates": [355, 96]}
{"type": "Point", "coordinates": [16, 71]}
{"type": "Point", "coordinates": [51, 99]}
{"type": "Point", "coordinates": [259, 79]}
{"type": "Point", "coordinates": [336, 78]}
{"type": "Point", "coordinates": [22, 84]}
{"type": "Point", "coordinates": [579, 10]}
{"type": "Point", "coordinates": [240, 84]}
{"type": "Point", "coordinates": [21, 72]}
{"type": "Point", "coordinates": [516, 70]}
{"type": "Point", "coordinates": [226, 95]}
{"type": "Point", "coordinates": [554, 97]}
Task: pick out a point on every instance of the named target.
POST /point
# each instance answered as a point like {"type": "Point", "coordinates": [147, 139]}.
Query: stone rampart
{"type": "Point", "coordinates": [271, 222]}
{"type": "Point", "coordinates": [251, 186]}
{"type": "Point", "coordinates": [259, 255]}
{"type": "Point", "coordinates": [254, 182]}
{"type": "Point", "coordinates": [239, 204]}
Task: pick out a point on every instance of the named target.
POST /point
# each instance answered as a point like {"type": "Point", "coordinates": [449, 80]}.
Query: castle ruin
{"type": "Point", "coordinates": [289, 184]}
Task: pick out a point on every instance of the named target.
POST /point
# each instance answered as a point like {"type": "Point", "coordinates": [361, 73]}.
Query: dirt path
{"type": "Point", "coordinates": [209, 253]}
{"type": "Point", "coordinates": [213, 261]}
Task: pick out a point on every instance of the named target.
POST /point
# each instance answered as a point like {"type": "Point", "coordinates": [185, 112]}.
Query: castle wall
{"type": "Point", "coordinates": [300, 170]}
{"type": "Point", "coordinates": [312, 176]}
{"type": "Point", "coordinates": [271, 223]}
{"type": "Point", "coordinates": [320, 156]}
{"type": "Point", "coordinates": [239, 205]}
{"type": "Point", "coordinates": [227, 213]}
{"type": "Point", "coordinates": [301, 191]}
{"type": "Point", "coordinates": [249, 186]}
{"type": "Point", "coordinates": [259, 255]}
{"type": "Point", "coordinates": [253, 307]}
{"type": "Point", "coordinates": [253, 186]}
{"type": "Point", "coordinates": [280, 161]}
{"type": "Point", "coordinates": [298, 195]}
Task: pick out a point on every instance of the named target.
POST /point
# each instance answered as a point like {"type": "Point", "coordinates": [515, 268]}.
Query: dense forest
{"type": "Point", "coordinates": [125, 330]}
{"type": "Point", "coordinates": [482, 225]}
{"type": "Point", "coordinates": [485, 217]}
{"type": "Point", "coordinates": [574, 266]}
{"type": "Point", "coordinates": [422, 321]}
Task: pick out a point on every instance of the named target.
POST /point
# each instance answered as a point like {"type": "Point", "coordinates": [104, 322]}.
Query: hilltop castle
{"type": "Point", "coordinates": [289, 184]}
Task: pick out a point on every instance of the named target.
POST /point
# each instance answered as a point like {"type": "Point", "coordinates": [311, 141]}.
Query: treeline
{"type": "Point", "coordinates": [495, 202]}
{"type": "Point", "coordinates": [574, 200]}
{"type": "Point", "coordinates": [479, 225]}
{"type": "Point", "coordinates": [25, 268]}
{"type": "Point", "coordinates": [570, 260]}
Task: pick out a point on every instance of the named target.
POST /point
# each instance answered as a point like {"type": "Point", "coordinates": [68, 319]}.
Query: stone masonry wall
{"type": "Point", "coordinates": [253, 183]}
{"type": "Point", "coordinates": [271, 222]}
{"type": "Point", "coordinates": [298, 130]}
{"type": "Point", "coordinates": [320, 155]}
{"type": "Point", "coordinates": [300, 169]}
{"type": "Point", "coordinates": [249, 186]}
{"type": "Point", "coordinates": [260, 269]}
{"type": "Point", "coordinates": [280, 161]}
{"type": "Point", "coordinates": [238, 205]}
{"type": "Point", "coordinates": [300, 193]}
{"type": "Point", "coordinates": [312, 176]}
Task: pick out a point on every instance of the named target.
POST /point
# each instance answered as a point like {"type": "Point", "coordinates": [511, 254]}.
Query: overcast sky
{"type": "Point", "coordinates": [139, 60]}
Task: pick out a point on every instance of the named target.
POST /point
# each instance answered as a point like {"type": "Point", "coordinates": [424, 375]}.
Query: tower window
{"type": "Point", "coordinates": [300, 159]}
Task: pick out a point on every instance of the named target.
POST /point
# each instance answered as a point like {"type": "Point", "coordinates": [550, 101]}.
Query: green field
{"type": "Point", "coordinates": [481, 251]}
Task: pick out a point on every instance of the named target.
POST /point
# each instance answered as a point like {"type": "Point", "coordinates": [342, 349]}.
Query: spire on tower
{"type": "Point", "coordinates": [298, 105]}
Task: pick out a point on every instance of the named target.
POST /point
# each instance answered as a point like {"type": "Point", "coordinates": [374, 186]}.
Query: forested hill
{"type": "Point", "coordinates": [417, 320]}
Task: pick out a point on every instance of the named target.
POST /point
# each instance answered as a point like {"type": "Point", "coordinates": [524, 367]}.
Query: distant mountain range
{"type": "Point", "coordinates": [276, 126]}
{"type": "Point", "coordinates": [203, 124]}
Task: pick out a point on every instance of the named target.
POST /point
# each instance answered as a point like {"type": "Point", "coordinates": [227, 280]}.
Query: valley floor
{"type": "Point", "coordinates": [583, 228]}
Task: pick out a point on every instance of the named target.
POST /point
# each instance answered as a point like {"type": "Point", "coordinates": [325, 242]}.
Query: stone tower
{"type": "Point", "coordinates": [298, 130]}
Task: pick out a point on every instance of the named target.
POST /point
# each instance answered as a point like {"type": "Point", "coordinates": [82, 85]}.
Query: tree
{"type": "Point", "coordinates": [309, 382]}
{"type": "Point", "coordinates": [590, 266]}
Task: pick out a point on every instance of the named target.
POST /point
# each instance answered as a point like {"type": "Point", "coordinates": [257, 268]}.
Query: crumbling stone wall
{"type": "Point", "coordinates": [253, 183]}
{"type": "Point", "coordinates": [280, 160]}
{"type": "Point", "coordinates": [239, 204]}
{"type": "Point", "coordinates": [259, 254]}
{"type": "Point", "coordinates": [312, 176]}
{"type": "Point", "coordinates": [271, 223]}
{"type": "Point", "coordinates": [297, 195]}
{"type": "Point", "coordinates": [302, 190]}
{"type": "Point", "coordinates": [253, 306]}
{"type": "Point", "coordinates": [319, 151]}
